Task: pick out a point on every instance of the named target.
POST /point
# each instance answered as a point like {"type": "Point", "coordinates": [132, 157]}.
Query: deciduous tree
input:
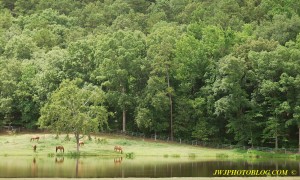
{"type": "Point", "coordinates": [74, 108]}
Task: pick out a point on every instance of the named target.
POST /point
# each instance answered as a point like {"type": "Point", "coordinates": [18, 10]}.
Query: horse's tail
{"type": "Point", "coordinates": [63, 149]}
{"type": "Point", "coordinates": [56, 149]}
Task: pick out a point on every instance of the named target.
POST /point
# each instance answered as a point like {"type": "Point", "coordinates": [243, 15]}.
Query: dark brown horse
{"type": "Point", "coordinates": [37, 138]}
{"type": "Point", "coordinates": [118, 149]}
{"type": "Point", "coordinates": [81, 143]}
{"type": "Point", "coordinates": [61, 148]}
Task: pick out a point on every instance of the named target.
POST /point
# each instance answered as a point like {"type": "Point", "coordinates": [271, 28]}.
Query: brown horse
{"type": "Point", "coordinates": [37, 138]}
{"type": "Point", "coordinates": [61, 148]}
{"type": "Point", "coordinates": [81, 143]}
{"type": "Point", "coordinates": [118, 148]}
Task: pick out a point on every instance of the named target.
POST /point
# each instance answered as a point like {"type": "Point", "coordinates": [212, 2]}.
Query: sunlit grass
{"type": "Point", "coordinates": [103, 145]}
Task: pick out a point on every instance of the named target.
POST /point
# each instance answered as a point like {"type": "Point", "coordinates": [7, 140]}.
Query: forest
{"type": "Point", "coordinates": [224, 71]}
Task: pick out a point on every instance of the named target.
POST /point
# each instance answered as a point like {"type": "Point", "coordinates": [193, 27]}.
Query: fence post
{"type": "Point", "coordinates": [180, 140]}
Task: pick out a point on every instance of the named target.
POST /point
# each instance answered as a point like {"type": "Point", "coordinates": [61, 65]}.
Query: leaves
{"type": "Point", "coordinates": [74, 109]}
{"type": "Point", "coordinates": [225, 71]}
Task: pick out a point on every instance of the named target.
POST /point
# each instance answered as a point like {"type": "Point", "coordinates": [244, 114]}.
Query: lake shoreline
{"type": "Point", "coordinates": [103, 146]}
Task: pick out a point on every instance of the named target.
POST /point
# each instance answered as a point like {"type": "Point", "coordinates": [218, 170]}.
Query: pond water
{"type": "Point", "coordinates": [99, 167]}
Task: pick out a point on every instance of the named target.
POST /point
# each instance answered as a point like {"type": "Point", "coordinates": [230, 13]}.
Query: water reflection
{"type": "Point", "coordinates": [59, 160]}
{"type": "Point", "coordinates": [34, 168]}
{"type": "Point", "coordinates": [79, 168]}
{"type": "Point", "coordinates": [118, 160]}
{"type": "Point", "coordinates": [96, 167]}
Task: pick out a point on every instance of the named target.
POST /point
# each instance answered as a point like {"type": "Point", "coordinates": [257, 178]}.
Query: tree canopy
{"type": "Point", "coordinates": [74, 109]}
{"type": "Point", "coordinates": [223, 71]}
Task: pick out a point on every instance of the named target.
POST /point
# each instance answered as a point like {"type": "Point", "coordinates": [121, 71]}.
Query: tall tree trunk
{"type": "Point", "coordinates": [171, 109]}
{"type": "Point", "coordinates": [124, 120]}
{"type": "Point", "coordinates": [251, 137]}
{"type": "Point", "coordinates": [276, 142]}
{"type": "Point", "coordinates": [77, 141]}
{"type": "Point", "coordinates": [124, 113]}
{"type": "Point", "coordinates": [171, 118]}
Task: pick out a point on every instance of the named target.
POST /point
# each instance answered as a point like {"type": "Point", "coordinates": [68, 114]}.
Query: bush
{"type": "Point", "coordinates": [101, 141]}
{"type": "Point", "coordinates": [130, 155]}
{"type": "Point", "coordinates": [222, 155]}
{"type": "Point", "coordinates": [67, 138]}
{"type": "Point", "coordinates": [124, 142]}
{"type": "Point", "coordinates": [50, 154]}
{"type": "Point", "coordinates": [192, 155]}
{"type": "Point", "coordinates": [176, 155]}
{"type": "Point", "coordinates": [73, 154]}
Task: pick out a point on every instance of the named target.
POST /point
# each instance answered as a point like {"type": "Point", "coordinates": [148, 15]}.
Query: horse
{"type": "Point", "coordinates": [37, 138]}
{"type": "Point", "coordinates": [34, 148]}
{"type": "Point", "coordinates": [61, 148]}
{"type": "Point", "coordinates": [81, 143]}
{"type": "Point", "coordinates": [118, 148]}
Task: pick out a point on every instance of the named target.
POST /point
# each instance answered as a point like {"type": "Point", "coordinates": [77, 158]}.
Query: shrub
{"type": "Point", "coordinates": [192, 155]}
{"type": "Point", "coordinates": [130, 155]}
{"type": "Point", "coordinates": [176, 155]}
{"type": "Point", "coordinates": [222, 155]}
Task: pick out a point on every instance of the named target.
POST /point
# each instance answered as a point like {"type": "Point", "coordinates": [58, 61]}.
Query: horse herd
{"type": "Point", "coordinates": [62, 149]}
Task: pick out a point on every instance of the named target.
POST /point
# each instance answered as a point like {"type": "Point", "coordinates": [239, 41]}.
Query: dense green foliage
{"type": "Point", "coordinates": [213, 70]}
{"type": "Point", "coordinates": [72, 109]}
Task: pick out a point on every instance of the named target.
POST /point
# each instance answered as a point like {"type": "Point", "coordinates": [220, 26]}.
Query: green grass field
{"type": "Point", "coordinates": [103, 145]}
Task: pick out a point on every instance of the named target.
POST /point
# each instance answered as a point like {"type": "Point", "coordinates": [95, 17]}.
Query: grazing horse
{"type": "Point", "coordinates": [81, 143]}
{"type": "Point", "coordinates": [61, 148]}
{"type": "Point", "coordinates": [118, 148]}
{"type": "Point", "coordinates": [34, 148]}
{"type": "Point", "coordinates": [37, 138]}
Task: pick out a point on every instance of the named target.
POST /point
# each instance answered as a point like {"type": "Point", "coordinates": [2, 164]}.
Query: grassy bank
{"type": "Point", "coordinates": [20, 145]}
